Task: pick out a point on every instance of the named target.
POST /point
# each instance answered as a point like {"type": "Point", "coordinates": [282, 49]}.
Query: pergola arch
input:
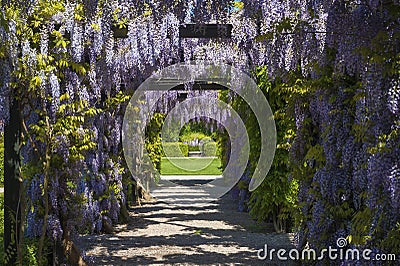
{"type": "Point", "coordinates": [92, 64]}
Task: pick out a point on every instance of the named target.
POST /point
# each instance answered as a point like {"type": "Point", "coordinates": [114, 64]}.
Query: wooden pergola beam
{"type": "Point", "coordinates": [205, 31]}
{"type": "Point", "coordinates": [210, 31]}
{"type": "Point", "coordinates": [165, 85]}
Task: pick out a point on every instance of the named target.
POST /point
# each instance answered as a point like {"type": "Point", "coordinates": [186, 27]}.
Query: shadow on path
{"type": "Point", "coordinates": [162, 234]}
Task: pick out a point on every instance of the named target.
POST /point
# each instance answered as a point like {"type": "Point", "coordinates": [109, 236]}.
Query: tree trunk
{"type": "Point", "coordinates": [12, 183]}
{"type": "Point", "coordinates": [70, 250]}
{"type": "Point", "coordinates": [278, 222]}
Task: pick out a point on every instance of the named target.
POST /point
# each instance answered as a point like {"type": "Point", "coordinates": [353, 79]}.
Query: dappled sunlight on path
{"type": "Point", "coordinates": [163, 234]}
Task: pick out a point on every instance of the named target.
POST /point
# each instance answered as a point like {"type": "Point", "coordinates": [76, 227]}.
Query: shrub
{"type": "Point", "coordinates": [194, 148]}
{"type": "Point", "coordinates": [192, 136]}
{"type": "Point", "coordinates": [209, 149]}
{"type": "Point", "coordinates": [153, 140]}
{"type": "Point", "coordinates": [206, 140]}
{"type": "Point", "coordinates": [172, 149]}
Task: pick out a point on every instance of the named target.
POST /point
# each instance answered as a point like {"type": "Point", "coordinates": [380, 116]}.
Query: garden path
{"type": "Point", "coordinates": [159, 233]}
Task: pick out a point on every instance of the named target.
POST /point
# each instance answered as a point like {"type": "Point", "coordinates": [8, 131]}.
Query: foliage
{"type": "Point", "coordinates": [193, 148]}
{"type": "Point", "coordinates": [153, 139]}
{"type": "Point", "coordinates": [196, 134]}
{"type": "Point", "coordinates": [190, 136]}
{"type": "Point", "coordinates": [194, 130]}
{"type": "Point", "coordinates": [343, 158]}
{"type": "Point", "coordinates": [66, 185]}
{"type": "Point", "coordinates": [335, 66]}
{"type": "Point", "coordinates": [175, 149]}
{"type": "Point", "coordinates": [206, 140]}
{"type": "Point", "coordinates": [276, 198]}
{"type": "Point", "coordinates": [209, 149]}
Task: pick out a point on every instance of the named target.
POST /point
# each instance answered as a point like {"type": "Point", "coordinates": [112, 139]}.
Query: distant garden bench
{"type": "Point", "coordinates": [195, 154]}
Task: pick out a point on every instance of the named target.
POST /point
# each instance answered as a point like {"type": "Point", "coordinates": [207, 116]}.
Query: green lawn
{"type": "Point", "coordinates": [190, 166]}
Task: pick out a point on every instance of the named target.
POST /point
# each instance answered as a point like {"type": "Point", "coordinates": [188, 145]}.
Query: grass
{"type": "Point", "coordinates": [190, 166]}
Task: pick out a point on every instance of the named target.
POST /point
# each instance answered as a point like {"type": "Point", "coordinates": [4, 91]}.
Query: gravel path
{"type": "Point", "coordinates": [162, 234]}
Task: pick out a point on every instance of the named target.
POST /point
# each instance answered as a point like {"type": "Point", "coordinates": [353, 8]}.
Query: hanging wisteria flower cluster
{"type": "Point", "coordinates": [91, 67]}
{"type": "Point", "coordinates": [347, 127]}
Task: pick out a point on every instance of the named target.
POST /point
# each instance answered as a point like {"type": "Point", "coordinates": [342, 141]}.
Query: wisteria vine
{"type": "Point", "coordinates": [66, 59]}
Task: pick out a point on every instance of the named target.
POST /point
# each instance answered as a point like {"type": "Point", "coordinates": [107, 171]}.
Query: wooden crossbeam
{"type": "Point", "coordinates": [190, 31]}
{"type": "Point", "coordinates": [164, 85]}
{"type": "Point", "coordinates": [205, 31]}
{"type": "Point", "coordinates": [200, 86]}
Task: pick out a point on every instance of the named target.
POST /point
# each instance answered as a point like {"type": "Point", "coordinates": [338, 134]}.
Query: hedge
{"type": "Point", "coordinates": [194, 148]}
{"type": "Point", "coordinates": [172, 149]}
{"type": "Point", "coordinates": [209, 149]}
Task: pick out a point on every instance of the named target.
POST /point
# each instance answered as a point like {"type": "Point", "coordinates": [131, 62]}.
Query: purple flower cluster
{"type": "Point", "coordinates": [54, 230]}
{"type": "Point", "coordinates": [34, 221]}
